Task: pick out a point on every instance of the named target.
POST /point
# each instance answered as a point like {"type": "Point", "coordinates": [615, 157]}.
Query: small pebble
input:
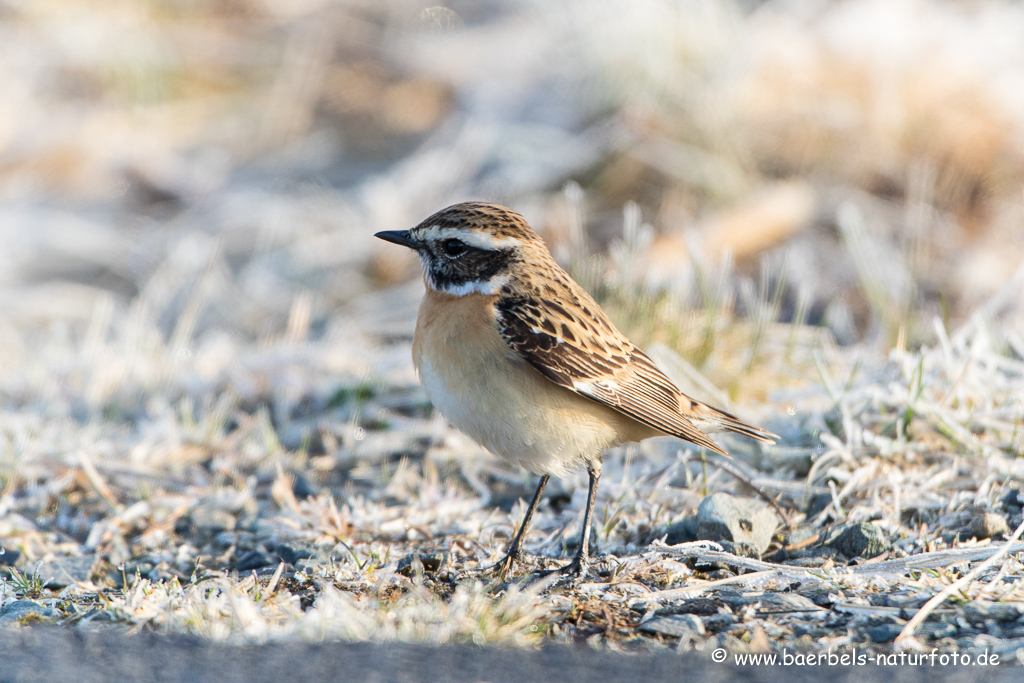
{"type": "Point", "coordinates": [677, 626]}
{"type": "Point", "coordinates": [723, 517]}
{"type": "Point", "coordinates": [431, 563]}
{"type": "Point", "coordinates": [25, 611]}
{"type": "Point", "coordinates": [859, 540]}
{"type": "Point", "coordinates": [988, 525]}
{"type": "Point", "coordinates": [983, 610]}
{"type": "Point", "coordinates": [254, 559]}
{"type": "Point", "coordinates": [683, 531]}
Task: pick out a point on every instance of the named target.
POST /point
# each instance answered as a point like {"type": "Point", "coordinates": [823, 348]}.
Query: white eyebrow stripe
{"type": "Point", "coordinates": [474, 238]}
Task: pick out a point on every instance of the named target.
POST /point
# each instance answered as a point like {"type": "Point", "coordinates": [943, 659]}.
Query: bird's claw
{"type": "Point", "coordinates": [571, 575]}
{"type": "Point", "coordinates": [501, 569]}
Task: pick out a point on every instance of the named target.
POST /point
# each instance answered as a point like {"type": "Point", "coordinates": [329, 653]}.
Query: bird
{"type": "Point", "coordinates": [518, 356]}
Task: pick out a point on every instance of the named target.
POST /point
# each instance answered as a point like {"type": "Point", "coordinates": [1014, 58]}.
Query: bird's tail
{"type": "Point", "coordinates": [709, 419]}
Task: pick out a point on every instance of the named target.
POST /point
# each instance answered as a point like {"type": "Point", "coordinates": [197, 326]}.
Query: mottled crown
{"type": "Point", "coordinates": [499, 221]}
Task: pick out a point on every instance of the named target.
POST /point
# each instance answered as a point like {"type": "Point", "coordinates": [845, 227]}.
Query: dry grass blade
{"type": "Point", "coordinates": [811, 222]}
{"type": "Point", "coordinates": [906, 638]}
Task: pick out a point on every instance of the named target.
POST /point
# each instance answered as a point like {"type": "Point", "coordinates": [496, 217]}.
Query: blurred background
{"type": "Point", "coordinates": [205, 354]}
{"type": "Point", "coordinates": [188, 190]}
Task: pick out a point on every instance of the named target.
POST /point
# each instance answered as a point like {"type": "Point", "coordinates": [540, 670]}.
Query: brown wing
{"type": "Point", "coordinates": [586, 354]}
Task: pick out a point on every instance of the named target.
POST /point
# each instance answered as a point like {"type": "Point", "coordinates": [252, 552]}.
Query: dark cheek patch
{"type": "Point", "coordinates": [476, 265]}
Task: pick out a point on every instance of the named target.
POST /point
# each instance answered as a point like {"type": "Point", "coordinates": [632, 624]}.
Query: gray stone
{"type": "Point", "coordinates": [641, 645]}
{"type": "Point", "coordinates": [254, 559]}
{"type": "Point", "coordinates": [431, 564]}
{"type": "Point", "coordinates": [683, 531]}
{"type": "Point", "coordinates": [309, 565]}
{"type": "Point", "coordinates": [720, 574]}
{"type": "Point", "coordinates": [820, 596]}
{"type": "Point", "coordinates": [939, 629]}
{"type": "Point", "coordinates": [983, 610]}
{"type": "Point", "coordinates": [722, 517]}
{"type": "Point", "coordinates": [1013, 501]}
{"type": "Point", "coordinates": [815, 556]}
{"type": "Point", "coordinates": [65, 571]}
{"type": "Point", "coordinates": [303, 487]}
{"type": "Point", "coordinates": [25, 611]}
{"type": "Point", "coordinates": [142, 567]}
{"type": "Point", "coordinates": [859, 540]}
{"type": "Point", "coordinates": [817, 504]}
{"type": "Point", "coordinates": [163, 573]}
{"type": "Point", "coordinates": [799, 535]}
{"type": "Point", "coordinates": [886, 633]}
{"type": "Point", "coordinates": [212, 520]}
{"type": "Point", "coordinates": [988, 525]}
{"type": "Point", "coordinates": [773, 603]}
{"type": "Point", "coordinates": [741, 550]}
{"type": "Point", "coordinates": [243, 540]}
{"type": "Point", "coordinates": [677, 626]}
{"type": "Point", "coordinates": [719, 622]}
{"type": "Point", "coordinates": [8, 556]}
{"type": "Point", "coordinates": [292, 552]}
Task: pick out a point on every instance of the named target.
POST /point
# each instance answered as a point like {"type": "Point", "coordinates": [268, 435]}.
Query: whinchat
{"type": "Point", "coordinates": [519, 357]}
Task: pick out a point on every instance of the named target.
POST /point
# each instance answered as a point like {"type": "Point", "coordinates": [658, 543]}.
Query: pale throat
{"type": "Point", "coordinates": [489, 286]}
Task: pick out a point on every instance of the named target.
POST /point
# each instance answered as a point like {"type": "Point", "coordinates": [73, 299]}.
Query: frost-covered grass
{"type": "Point", "coordinates": [205, 358]}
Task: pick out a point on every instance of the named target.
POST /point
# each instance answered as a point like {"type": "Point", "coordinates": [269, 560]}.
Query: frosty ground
{"type": "Point", "coordinates": [210, 424]}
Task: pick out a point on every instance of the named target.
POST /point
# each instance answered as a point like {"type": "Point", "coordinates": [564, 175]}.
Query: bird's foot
{"type": "Point", "coordinates": [502, 568]}
{"type": "Point", "coordinates": [575, 571]}
{"type": "Point", "coordinates": [571, 575]}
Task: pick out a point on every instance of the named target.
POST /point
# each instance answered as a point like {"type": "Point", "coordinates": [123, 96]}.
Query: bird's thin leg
{"type": "Point", "coordinates": [578, 566]}
{"type": "Point", "coordinates": [514, 550]}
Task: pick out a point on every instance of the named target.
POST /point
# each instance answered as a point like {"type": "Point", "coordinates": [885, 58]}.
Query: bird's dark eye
{"type": "Point", "coordinates": [454, 247]}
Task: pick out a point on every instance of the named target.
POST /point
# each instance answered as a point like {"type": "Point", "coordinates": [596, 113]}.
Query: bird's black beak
{"type": "Point", "coordinates": [403, 237]}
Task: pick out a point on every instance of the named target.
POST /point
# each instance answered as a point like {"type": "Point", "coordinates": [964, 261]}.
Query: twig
{"type": "Point", "coordinates": [690, 592]}
{"type": "Point", "coordinates": [97, 482]}
{"type": "Point", "coordinates": [906, 638]}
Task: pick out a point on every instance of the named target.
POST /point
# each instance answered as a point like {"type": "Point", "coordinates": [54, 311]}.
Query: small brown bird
{"type": "Point", "coordinates": [519, 357]}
